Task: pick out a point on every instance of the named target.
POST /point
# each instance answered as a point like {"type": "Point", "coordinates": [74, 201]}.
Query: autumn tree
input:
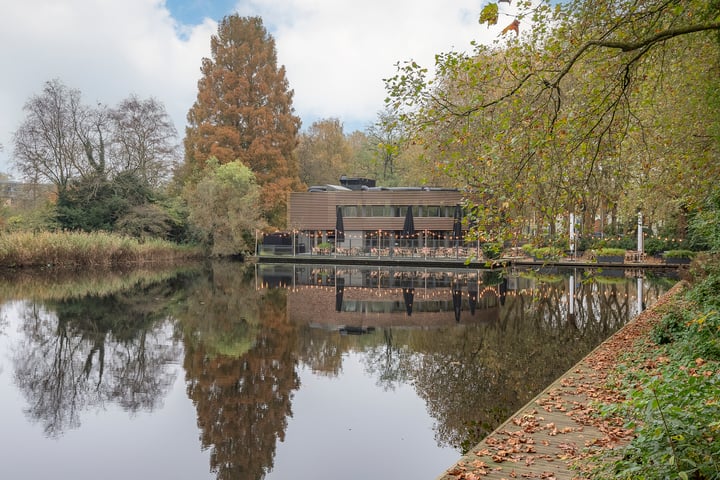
{"type": "Point", "coordinates": [386, 136]}
{"type": "Point", "coordinates": [564, 117]}
{"type": "Point", "coordinates": [244, 112]}
{"type": "Point", "coordinates": [324, 153]}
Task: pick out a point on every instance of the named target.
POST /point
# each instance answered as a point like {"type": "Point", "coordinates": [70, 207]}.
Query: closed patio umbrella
{"type": "Point", "coordinates": [409, 226]}
{"type": "Point", "coordinates": [339, 291]}
{"type": "Point", "coordinates": [457, 224]}
{"type": "Point", "coordinates": [472, 300]}
{"type": "Point", "coordinates": [457, 302]}
{"type": "Point", "coordinates": [503, 290]}
{"type": "Point", "coordinates": [339, 226]}
{"type": "Point", "coordinates": [408, 296]}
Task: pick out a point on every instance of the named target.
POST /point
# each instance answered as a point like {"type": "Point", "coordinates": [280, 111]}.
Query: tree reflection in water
{"type": "Point", "coordinates": [475, 375]}
{"type": "Point", "coordinates": [244, 344]}
{"type": "Point", "coordinates": [242, 395]}
{"type": "Point", "coordinates": [84, 352]}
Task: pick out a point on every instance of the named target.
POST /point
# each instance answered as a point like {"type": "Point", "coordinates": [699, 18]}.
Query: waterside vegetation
{"type": "Point", "coordinates": [669, 386]}
{"type": "Point", "coordinates": [81, 249]}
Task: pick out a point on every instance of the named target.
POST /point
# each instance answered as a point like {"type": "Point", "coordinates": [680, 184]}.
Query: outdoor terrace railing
{"type": "Point", "coordinates": [402, 252]}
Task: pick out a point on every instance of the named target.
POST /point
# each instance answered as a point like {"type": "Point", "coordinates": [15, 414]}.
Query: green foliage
{"type": "Point", "coordinates": [705, 225]}
{"type": "Point", "coordinates": [674, 409]}
{"type": "Point", "coordinates": [224, 208]}
{"type": "Point", "coordinates": [610, 252]}
{"type": "Point", "coordinates": [96, 203]}
{"type": "Point", "coordinates": [143, 221]}
{"type": "Point", "coordinates": [489, 14]}
{"type": "Point", "coordinates": [657, 245]}
{"type": "Point", "coordinates": [707, 291]}
{"type": "Point", "coordinates": [325, 247]}
{"type": "Point", "coordinates": [547, 253]}
{"type": "Point", "coordinates": [669, 328]}
{"type": "Point", "coordinates": [38, 219]}
{"type": "Point", "coordinates": [676, 425]}
{"type": "Point", "coordinates": [492, 250]}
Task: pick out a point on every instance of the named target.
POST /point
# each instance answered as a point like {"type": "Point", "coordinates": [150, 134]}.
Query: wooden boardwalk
{"type": "Point", "coordinates": [559, 426]}
{"type": "Point", "coordinates": [541, 438]}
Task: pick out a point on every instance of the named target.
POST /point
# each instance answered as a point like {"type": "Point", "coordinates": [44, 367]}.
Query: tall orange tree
{"type": "Point", "coordinates": [244, 112]}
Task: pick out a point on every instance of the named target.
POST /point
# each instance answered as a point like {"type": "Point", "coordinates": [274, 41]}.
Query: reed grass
{"type": "Point", "coordinates": [80, 249]}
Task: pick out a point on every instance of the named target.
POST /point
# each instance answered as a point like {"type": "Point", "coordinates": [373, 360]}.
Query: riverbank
{"type": "Point", "coordinates": [454, 262]}
{"type": "Point", "coordinates": [80, 249]}
{"type": "Point", "coordinates": [560, 434]}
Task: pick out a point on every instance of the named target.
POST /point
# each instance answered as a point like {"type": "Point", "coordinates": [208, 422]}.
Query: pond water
{"type": "Point", "coordinates": [248, 372]}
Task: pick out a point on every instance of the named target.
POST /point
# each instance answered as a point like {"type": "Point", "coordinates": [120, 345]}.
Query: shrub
{"type": "Point", "coordinates": [669, 328]}
{"type": "Point", "coordinates": [492, 250]}
{"type": "Point", "coordinates": [547, 253]}
{"type": "Point", "coordinates": [675, 427]}
{"type": "Point", "coordinates": [610, 252]}
{"type": "Point", "coordinates": [673, 409]}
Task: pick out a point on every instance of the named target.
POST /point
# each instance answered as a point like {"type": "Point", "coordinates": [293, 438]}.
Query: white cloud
{"type": "Point", "coordinates": [106, 49]}
{"type": "Point", "coordinates": [336, 51]}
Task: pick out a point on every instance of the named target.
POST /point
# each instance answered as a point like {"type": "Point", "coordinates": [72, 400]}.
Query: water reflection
{"type": "Point", "coordinates": [83, 352]}
{"type": "Point", "coordinates": [243, 393]}
{"type": "Point", "coordinates": [473, 345]}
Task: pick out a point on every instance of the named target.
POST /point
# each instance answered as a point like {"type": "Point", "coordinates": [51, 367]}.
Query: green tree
{"type": "Point", "coordinates": [224, 207]}
{"type": "Point", "coordinates": [97, 203]}
{"type": "Point", "coordinates": [244, 112]}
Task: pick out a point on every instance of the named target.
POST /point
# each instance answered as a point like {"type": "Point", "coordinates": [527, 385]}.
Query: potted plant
{"type": "Point", "coordinates": [681, 257]}
{"type": "Point", "coordinates": [325, 248]}
{"type": "Point", "coordinates": [610, 255]}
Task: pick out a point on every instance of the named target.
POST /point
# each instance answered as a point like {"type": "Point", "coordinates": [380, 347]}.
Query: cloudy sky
{"type": "Point", "coordinates": [336, 52]}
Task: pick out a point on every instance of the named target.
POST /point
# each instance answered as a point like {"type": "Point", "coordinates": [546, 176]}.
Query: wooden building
{"type": "Point", "coordinates": [376, 217]}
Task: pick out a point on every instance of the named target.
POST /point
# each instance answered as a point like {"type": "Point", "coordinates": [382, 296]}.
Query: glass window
{"type": "Point", "coordinates": [350, 211]}
{"type": "Point", "coordinates": [377, 211]}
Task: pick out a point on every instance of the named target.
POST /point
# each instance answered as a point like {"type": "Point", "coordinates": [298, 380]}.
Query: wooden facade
{"type": "Point", "coordinates": [373, 217]}
{"type": "Point", "coordinates": [317, 211]}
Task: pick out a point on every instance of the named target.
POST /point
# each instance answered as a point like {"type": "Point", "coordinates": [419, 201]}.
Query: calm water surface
{"type": "Point", "coordinates": [284, 371]}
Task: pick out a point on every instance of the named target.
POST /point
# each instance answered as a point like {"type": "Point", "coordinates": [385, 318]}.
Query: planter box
{"type": "Point", "coordinates": [677, 261]}
{"type": "Point", "coordinates": [611, 258]}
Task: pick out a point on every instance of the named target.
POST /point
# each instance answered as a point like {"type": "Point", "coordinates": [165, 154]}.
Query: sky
{"type": "Point", "coordinates": [336, 52]}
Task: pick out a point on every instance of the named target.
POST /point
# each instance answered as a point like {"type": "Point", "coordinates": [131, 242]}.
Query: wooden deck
{"type": "Point", "coordinates": [538, 440]}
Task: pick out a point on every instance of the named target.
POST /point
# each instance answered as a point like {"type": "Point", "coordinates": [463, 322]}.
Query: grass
{"type": "Point", "coordinates": [78, 249]}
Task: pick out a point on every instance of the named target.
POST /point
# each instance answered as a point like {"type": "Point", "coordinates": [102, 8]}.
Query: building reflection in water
{"type": "Point", "coordinates": [474, 345]}
{"type": "Point", "coordinates": [479, 341]}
